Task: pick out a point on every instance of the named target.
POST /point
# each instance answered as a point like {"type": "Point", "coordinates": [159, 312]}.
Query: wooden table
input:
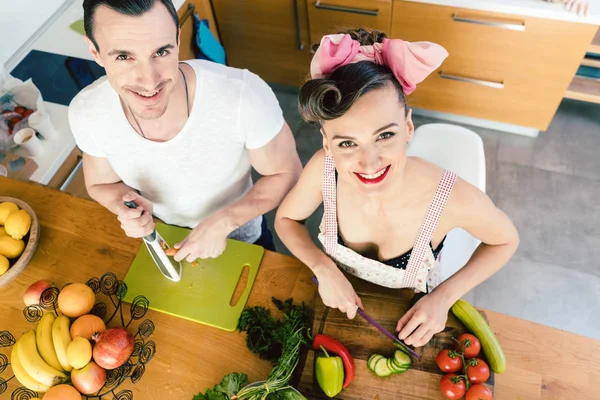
{"type": "Point", "coordinates": [80, 239]}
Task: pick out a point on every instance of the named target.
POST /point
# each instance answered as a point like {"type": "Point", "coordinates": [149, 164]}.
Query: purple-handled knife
{"type": "Point", "coordinates": [380, 328]}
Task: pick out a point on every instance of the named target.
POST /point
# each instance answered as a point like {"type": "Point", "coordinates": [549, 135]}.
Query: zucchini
{"type": "Point", "coordinates": [381, 367]}
{"type": "Point", "coordinates": [474, 322]}
{"type": "Point", "coordinates": [373, 360]}
{"type": "Point", "coordinates": [401, 359]}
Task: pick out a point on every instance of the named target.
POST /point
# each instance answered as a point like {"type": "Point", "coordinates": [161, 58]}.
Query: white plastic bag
{"type": "Point", "coordinates": [15, 93]}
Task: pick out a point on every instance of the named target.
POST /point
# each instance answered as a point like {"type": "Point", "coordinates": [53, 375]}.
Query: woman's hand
{"type": "Point", "coordinates": [423, 320]}
{"type": "Point", "coordinates": [336, 291]}
{"type": "Point", "coordinates": [581, 7]}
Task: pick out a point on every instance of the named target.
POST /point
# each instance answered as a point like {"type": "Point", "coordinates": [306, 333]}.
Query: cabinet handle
{"type": "Point", "coordinates": [346, 9]}
{"type": "Point", "coordinates": [517, 26]}
{"type": "Point", "coordinates": [189, 12]}
{"type": "Point", "coordinates": [495, 85]}
{"type": "Point", "coordinates": [69, 179]}
{"type": "Point", "coordinates": [298, 33]}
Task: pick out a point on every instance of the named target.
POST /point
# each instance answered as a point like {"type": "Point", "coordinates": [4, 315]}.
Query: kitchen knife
{"type": "Point", "coordinates": [154, 242]}
{"type": "Point", "coordinates": [380, 328]}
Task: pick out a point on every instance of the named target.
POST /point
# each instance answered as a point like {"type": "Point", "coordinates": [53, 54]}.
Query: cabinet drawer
{"type": "Point", "coordinates": [505, 68]}
{"type": "Point", "coordinates": [268, 37]}
{"type": "Point", "coordinates": [331, 16]}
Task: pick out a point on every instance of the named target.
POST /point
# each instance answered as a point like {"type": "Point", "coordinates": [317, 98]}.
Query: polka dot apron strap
{"type": "Point", "coordinates": [431, 220]}
{"type": "Point", "coordinates": [330, 206]}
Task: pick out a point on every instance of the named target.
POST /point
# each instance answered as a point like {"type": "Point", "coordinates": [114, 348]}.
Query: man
{"type": "Point", "coordinates": [178, 139]}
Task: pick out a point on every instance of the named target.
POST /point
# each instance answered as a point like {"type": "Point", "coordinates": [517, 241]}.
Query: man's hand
{"type": "Point", "coordinates": [136, 222]}
{"type": "Point", "coordinates": [581, 7]}
{"type": "Point", "coordinates": [207, 240]}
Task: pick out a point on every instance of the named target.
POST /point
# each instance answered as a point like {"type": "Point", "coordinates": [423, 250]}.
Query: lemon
{"type": "Point", "coordinates": [5, 209]}
{"type": "Point", "coordinates": [11, 248]}
{"type": "Point", "coordinates": [79, 352]}
{"type": "Point", "coordinates": [3, 231]}
{"type": "Point", "coordinates": [17, 224]}
{"type": "Point", "coordinates": [3, 265]}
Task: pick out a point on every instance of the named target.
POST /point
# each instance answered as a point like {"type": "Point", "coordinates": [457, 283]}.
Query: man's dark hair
{"type": "Point", "coordinates": [126, 7]}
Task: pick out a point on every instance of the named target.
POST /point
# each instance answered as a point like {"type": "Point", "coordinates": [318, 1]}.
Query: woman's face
{"type": "Point", "coordinates": [368, 143]}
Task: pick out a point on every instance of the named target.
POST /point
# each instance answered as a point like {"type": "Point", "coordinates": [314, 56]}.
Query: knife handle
{"type": "Point", "coordinates": [151, 237]}
{"type": "Point", "coordinates": [380, 328]}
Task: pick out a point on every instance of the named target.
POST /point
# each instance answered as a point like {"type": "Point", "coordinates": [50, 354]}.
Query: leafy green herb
{"type": "Point", "coordinates": [229, 386]}
{"type": "Point", "coordinates": [279, 341]}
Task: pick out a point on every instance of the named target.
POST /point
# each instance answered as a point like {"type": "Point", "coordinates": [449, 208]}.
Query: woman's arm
{"type": "Point", "coordinates": [300, 203]}
{"type": "Point", "coordinates": [475, 212]}
{"type": "Point", "coordinates": [472, 210]}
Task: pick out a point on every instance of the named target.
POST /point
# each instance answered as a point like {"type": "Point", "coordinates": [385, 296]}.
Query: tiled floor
{"type": "Point", "coordinates": [550, 187]}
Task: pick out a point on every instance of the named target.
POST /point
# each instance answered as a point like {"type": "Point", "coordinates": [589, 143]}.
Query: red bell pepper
{"type": "Point", "coordinates": [335, 347]}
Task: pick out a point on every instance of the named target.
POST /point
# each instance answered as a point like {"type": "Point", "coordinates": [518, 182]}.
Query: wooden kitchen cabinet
{"type": "Point", "coordinates": [583, 88]}
{"type": "Point", "coordinates": [505, 68]}
{"type": "Point", "coordinates": [268, 37]}
{"type": "Point", "coordinates": [69, 177]}
{"type": "Point", "coordinates": [331, 16]}
{"type": "Point", "coordinates": [187, 48]}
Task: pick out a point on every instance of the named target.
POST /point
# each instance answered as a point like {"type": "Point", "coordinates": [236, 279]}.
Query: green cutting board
{"type": "Point", "coordinates": [205, 291]}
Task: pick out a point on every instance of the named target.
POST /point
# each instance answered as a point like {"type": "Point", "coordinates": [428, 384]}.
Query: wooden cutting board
{"type": "Point", "coordinates": [386, 306]}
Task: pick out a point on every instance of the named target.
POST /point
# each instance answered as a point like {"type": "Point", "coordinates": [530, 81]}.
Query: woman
{"type": "Point", "coordinates": [386, 214]}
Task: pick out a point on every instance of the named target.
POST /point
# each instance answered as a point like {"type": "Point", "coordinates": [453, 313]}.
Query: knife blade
{"type": "Point", "coordinates": [381, 329]}
{"type": "Point", "coordinates": [154, 244]}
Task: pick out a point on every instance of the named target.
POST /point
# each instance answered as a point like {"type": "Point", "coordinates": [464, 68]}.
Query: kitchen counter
{"type": "Point", "coordinates": [80, 240]}
{"type": "Point", "coordinates": [529, 8]}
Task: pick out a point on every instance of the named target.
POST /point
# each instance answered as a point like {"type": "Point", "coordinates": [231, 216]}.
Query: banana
{"type": "Point", "coordinates": [22, 376]}
{"type": "Point", "coordinates": [45, 345]}
{"type": "Point", "coordinates": [61, 337]}
{"type": "Point", "coordinates": [34, 365]}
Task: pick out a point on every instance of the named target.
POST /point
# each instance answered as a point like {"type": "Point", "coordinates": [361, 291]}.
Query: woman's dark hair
{"type": "Point", "coordinates": [127, 7]}
{"type": "Point", "coordinates": [331, 97]}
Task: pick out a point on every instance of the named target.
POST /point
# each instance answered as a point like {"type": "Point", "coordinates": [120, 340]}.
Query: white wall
{"type": "Point", "coordinates": [20, 19]}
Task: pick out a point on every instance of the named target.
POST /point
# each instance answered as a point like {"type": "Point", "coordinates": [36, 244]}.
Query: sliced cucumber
{"type": "Point", "coordinates": [373, 360]}
{"type": "Point", "coordinates": [401, 359]}
{"type": "Point", "coordinates": [381, 367]}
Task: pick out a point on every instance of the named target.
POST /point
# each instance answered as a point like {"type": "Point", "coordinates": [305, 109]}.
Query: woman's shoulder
{"type": "Point", "coordinates": [423, 172]}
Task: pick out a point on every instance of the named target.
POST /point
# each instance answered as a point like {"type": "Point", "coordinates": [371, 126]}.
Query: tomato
{"type": "Point", "coordinates": [471, 346]}
{"type": "Point", "coordinates": [479, 392]}
{"type": "Point", "coordinates": [449, 361]}
{"type": "Point", "coordinates": [27, 113]}
{"type": "Point", "coordinates": [19, 110]}
{"type": "Point", "coordinates": [477, 371]}
{"type": "Point", "coordinates": [452, 386]}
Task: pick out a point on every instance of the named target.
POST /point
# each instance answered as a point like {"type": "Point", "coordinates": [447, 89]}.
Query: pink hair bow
{"type": "Point", "coordinates": [411, 63]}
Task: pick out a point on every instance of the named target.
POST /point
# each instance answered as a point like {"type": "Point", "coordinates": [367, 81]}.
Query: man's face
{"type": "Point", "coordinates": [140, 55]}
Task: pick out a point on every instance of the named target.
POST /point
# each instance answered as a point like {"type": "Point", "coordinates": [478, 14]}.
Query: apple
{"type": "Point", "coordinates": [89, 379]}
{"type": "Point", "coordinates": [34, 292]}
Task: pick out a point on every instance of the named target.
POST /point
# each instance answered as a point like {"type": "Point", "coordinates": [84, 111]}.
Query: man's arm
{"type": "Point", "coordinates": [102, 183]}
{"type": "Point", "coordinates": [105, 186]}
{"type": "Point", "coordinates": [280, 167]}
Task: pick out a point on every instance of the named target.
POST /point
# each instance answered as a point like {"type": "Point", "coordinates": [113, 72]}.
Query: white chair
{"type": "Point", "coordinates": [459, 150]}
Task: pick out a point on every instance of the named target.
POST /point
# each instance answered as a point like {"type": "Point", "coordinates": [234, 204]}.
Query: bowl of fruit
{"type": "Point", "coordinates": [79, 346]}
{"type": "Point", "coordinates": [19, 235]}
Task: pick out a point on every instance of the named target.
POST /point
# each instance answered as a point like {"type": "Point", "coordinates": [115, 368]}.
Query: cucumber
{"type": "Point", "coordinates": [401, 359]}
{"type": "Point", "coordinates": [373, 358]}
{"type": "Point", "coordinates": [470, 317]}
{"type": "Point", "coordinates": [395, 368]}
{"type": "Point", "coordinates": [381, 367]}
